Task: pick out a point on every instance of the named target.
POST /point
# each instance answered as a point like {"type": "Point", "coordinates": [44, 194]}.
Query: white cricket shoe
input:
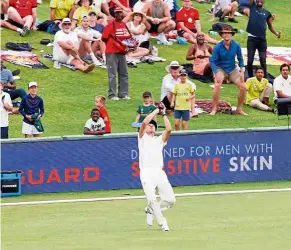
{"type": "Point", "coordinates": [149, 217]}
{"type": "Point", "coordinates": [165, 227]}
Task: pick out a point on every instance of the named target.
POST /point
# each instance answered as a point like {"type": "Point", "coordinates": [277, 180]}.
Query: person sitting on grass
{"type": "Point", "coordinates": [4, 22]}
{"type": "Point", "coordinates": [60, 9]}
{"type": "Point", "coordinates": [258, 91]}
{"type": "Point", "coordinates": [188, 23]}
{"type": "Point", "coordinates": [100, 102]}
{"type": "Point", "coordinates": [145, 108]}
{"type": "Point", "coordinates": [94, 23]}
{"type": "Point", "coordinates": [84, 10]}
{"type": "Point", "coordinates": [200, 53]}
{"type": "Point", "coordinates": [138, 30]}
{"type": "Point", "coordinates": [23, 15]}
{"type": "Point", "coordinates": [30, 106]}
{"type": "Point", "coordinates": [183, 93]}
{"type": "Point", "coordinates": [9, 84]}
{"type": "Point", "coordinates": [66, 48]}
{"type": "Point", "coordinates": [95, 125]}
{"type": "Point", "coordinates": [159, 18]}
{"type": "Point", "coordinates": [282, 83]}
{"type": "Point", "coordinates": [90, 43]}
{"type": "Point", "coordinates": [224, 8]}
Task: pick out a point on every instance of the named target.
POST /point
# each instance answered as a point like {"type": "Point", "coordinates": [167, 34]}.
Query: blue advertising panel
{"type": "Point", "coordinates": [112, 163]}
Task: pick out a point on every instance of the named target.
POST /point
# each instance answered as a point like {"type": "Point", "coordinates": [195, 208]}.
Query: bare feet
{"type": "Point", "coordinates": [240, 112]}
{"type": "Point", "coordinates": [213, 112]}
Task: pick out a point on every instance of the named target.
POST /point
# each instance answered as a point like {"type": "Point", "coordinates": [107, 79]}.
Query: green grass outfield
{"type": "Point", "coordinates": [255, 221]}
{"type": "Point", "coordinates": [69, 96]}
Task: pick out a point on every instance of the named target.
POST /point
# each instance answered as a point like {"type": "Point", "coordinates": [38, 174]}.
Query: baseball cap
{"type": "Point", "coordinates": [147, 94]}
{"type": "Point", "coordinates": [154, 123]}
{"type": "Point", "coordinates": [183, 72]}
{"type": "Point", "coordinates": [118, 9]}
{"type": "Point", "coordinates": [66, 20]}
{"type": "Point", "coordinates": [92, 12]}
{"type": "Point", "coordinates": [32, 84]}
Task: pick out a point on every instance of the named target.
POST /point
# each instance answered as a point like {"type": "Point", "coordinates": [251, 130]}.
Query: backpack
{"type": "Point", "coordinates": [49, 26]}
{"type": "Point", "coordinates": [19, 46]}
{"type": "Point", "coordinates": [219, 26]}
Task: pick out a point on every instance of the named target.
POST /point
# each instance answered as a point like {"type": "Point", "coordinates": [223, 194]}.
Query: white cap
{"type": "Point", "coordinates": [66, 20]}
{"type": "Point", "coordinates": [32, 84]}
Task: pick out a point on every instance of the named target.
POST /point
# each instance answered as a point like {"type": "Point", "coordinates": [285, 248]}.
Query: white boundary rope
{"type": "Point", "coordinates": [143, 197]}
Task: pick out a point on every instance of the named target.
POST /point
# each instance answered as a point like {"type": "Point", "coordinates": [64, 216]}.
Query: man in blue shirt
{"type": "Point", "coordinates": [9, 84]}
{"type": "Point", "coordinates": [223, 64]}
{"type": "Point", "coordinates": [256, 28]}
{"type": "Point", "coordinates": [30, 106]}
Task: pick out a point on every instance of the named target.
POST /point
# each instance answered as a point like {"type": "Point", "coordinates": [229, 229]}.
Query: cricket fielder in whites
{"type": "Point", "coordinates": [151, 164]}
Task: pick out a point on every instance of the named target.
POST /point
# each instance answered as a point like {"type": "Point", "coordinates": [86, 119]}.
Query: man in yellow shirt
{"type": "Point", "coordinates": [258, 91]}
{"type": "Point", "coordinates": [60, 9]}
{"type": "Point", "coordinates": [183, 93]}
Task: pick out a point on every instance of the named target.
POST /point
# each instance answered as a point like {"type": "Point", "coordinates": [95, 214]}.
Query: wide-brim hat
{"type": "Point", "coordinates": [174, 64]}
{"type": "Point", "coordinates": [137, 13]}
{"type": "Point", "coordinates": [227, 30]}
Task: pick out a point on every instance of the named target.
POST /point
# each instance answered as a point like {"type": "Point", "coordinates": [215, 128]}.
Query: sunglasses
{"type": "Point", "coordinates": [175, 67]}
{"type": "Point", "coordinates": [66, 24]}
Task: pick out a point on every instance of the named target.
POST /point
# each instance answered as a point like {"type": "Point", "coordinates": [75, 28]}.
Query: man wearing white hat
{"type": "Point", "coordinates": [66, 47]}
{"type": "Point", "coordinates": [168, 84]}
{"type": "Point", "coordinates": [30, 106]}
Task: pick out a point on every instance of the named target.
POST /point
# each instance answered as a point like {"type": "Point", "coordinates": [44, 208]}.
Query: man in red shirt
{"type": "Point", "coordinates": [113, 35]}
{"type": "Point", "coordinates": [22, 13]}
{"type": "Point", "coordinates": [188, 23]}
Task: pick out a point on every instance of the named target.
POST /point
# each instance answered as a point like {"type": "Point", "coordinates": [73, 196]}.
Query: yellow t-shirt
{"type": "Point", "coordinates": [63, 7]}
{"type": "Point", "coordinates": [182, 92]}
{"type": "Point", "coordinates": [255, 88]}
{"type": "Point", "coordinates": [80, 12]}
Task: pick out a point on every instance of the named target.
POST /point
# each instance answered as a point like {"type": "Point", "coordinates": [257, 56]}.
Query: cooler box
{"type": "Point", "coordinates": [10, 183]}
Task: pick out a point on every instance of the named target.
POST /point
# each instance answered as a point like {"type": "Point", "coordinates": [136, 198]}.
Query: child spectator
{"type": "Point", "coordinates": [100, 102]}
{"type": "Point", "coordinates": [95, 125]}
{"type": "Point", "coordinates": [5, 107]}
{"type": "Point", "coordinates": [31, 106]}
{"type": "Point", "coordinates": [146, 108]}
{"type": "Point", "coordinates": [183, 93]}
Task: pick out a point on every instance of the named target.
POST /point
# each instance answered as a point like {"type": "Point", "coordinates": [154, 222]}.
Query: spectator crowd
{"type": "Point", "coordinates": [105, 33]}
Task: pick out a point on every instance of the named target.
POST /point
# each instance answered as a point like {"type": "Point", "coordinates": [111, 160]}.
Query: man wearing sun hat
{"type": "Point", "coordinates": [223, 64]}
{"type": "Point", "coordinates": [113, 35]}
{"type": "Point", "coordinates": [66, 47]}
{"type": "Point", "coordinates": [169, 82]}
{"type": "Point", "coordinates": [32, 109]}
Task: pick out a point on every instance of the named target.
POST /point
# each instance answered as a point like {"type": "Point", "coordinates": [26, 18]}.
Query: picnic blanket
{"type": "Point", "coordinates": [50, 56]}
{"type": "Point", "coordinates": [22, 58]}
{"type": "Point", "coordinates": [206, 106]}
{"type": "Point", "coordinates": [275, 56]}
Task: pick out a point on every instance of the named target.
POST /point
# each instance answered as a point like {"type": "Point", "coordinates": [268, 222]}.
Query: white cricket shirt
{"type": "Point", "coordinates": [151, 151]}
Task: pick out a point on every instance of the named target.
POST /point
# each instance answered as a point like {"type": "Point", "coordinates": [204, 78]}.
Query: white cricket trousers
{"type": "Point", "coordinates": [152, 179]}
